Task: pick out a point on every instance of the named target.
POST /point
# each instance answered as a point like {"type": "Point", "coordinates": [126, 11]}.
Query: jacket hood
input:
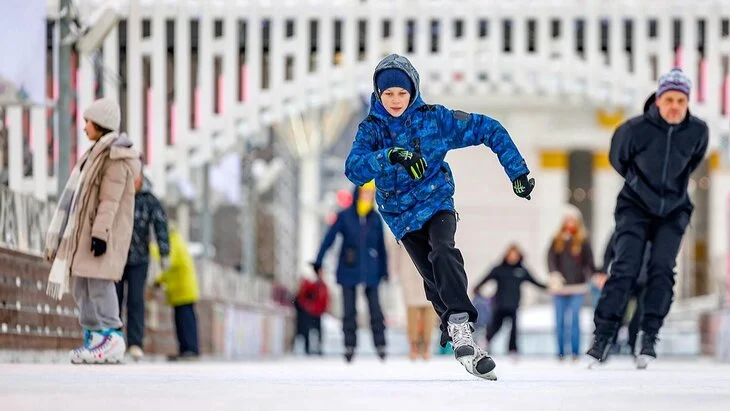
{"type": "Point", "coordinates": [649, 102]}
{"type": "Point", "coordinates": [653, 116]}
{"type": "Point", "coordinates": [398, 62]}
{"type": "Point", "coordinates": [121, 148]}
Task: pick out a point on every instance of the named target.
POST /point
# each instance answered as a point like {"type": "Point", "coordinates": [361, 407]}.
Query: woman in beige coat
{"type": "Point", "coordinates": [89, 236]}
{"type": "Point", "coordinates": [421, 317]}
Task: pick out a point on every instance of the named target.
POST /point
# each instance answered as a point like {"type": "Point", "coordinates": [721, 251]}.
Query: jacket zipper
{"type": "Point", "coordinates": [664, 169]}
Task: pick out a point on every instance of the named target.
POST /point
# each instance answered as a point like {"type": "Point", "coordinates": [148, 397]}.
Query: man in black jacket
{"type": "Point", "coordinates": [655, 153]}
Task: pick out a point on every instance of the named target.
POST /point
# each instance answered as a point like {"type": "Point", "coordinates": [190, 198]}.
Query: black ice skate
{"type": "Point", "coordinates": [598, 353]}
{"type": "Point", "coordinates": [476, 361]}
{"type": "Point", "coordinates": [349, 353]}
{"type": "Point", "coordinates": [645, 352]}
{"type": "Point", "coordinates": [381, 353]}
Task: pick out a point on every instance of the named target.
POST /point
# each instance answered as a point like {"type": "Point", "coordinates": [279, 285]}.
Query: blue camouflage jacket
{"type": "Point", "coordinates": [406, 204]}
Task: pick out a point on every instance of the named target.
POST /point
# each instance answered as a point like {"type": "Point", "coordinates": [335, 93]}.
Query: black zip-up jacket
{"type": "Point", "coordinates": [509, 278]}
{"type": "Point", "coordinates": [656, 159]}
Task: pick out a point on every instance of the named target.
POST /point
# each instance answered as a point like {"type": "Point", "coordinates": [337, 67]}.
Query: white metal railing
{"type": "Point", "coordinates": [23, 221]}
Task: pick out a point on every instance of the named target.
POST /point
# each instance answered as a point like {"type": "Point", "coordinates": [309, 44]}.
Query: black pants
{"type": "Point", "coordinates": [497, 319]}
{"type": "Point", "coordinates": [635, 323]}
{"type": "Point", "coordinates": [135, 276]}
{"type": "Point", "coordinates": [186, 327]}
{"type": "Point", "coordinates": [440, 263]}
{"type": "Point", "coordinates": [306, 323]}
{"type": "Point", "coordinates": [634, 227]}
{"type": "Point", "coordinates": [349, 320]}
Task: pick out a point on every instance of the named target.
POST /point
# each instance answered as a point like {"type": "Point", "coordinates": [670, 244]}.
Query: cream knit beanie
{"type": "Point", "coordinates": [104, 112]}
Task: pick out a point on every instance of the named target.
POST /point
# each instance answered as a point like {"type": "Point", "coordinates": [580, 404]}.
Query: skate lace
{"type": "Point", "coordinates": [461, 335]}
{"type": "Point", "coordinates": [102, 346]}
{"type": "Point", "coordinates": [87, 341]}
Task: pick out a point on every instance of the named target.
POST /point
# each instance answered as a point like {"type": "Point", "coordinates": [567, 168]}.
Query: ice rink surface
{"type": "Point", "coordinates": [297, 384]}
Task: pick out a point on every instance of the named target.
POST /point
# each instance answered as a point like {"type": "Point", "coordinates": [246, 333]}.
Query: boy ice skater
{"type": "Point", "coordinates": [402, 145]}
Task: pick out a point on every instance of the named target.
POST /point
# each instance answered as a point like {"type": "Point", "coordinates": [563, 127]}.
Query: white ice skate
{"type": "Point", "coordinates": [476, 361]}
{"type": "Point", "coordinates": [102, 348]}
{"type": "Point", "coordinates": [78, 354]}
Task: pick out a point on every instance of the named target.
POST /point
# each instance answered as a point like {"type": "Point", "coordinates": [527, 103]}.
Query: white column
{"type": "Point", "coordinates": [665, 51]}
{"type": "Point", "coordinates": [111, 65]}
{"type": "Point", "coordinates": [85, 96]}
{"type": "Point", "coordinates": [205, 81]}
{"type": "Point", "coordinates": [253, 57]}
{"type": "Point", "coordinates": [719, 229]}
{"type": "Point", "coordinates": [712, 60]}
{"type": "Point", "coordinates": [157, 141]}
{"type": "Point", "coordinates": [325, 45]}
{"type": "Point", "coordinates": [689, 51]}
{"type": "Point", "coordinates": [134, 75]}
{"type": "Point", "coordinates": [606, 185]}
{"type": "Point", "coordinates": [640, 37]}
{"type": "Point", "coordinates": [309, 178]}
{"type": "Point", "coordinates": [40, 152]}
{"type": "Point", "coordinates": [14, 122]}
{"type": "Point", "coordinates": [182, 111]}
{"type": "Point", "coordinates": [552, 191]}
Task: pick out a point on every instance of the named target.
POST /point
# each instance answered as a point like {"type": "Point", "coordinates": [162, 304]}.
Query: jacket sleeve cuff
{"type": "Point", "coordinates": [100, 233]}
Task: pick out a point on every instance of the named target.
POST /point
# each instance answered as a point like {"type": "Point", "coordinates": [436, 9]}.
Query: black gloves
{"type": "Point", "coordinates": [523, 187]}
{"type": "Point", "coordinates": [413, 163]}
{"type": "Point", "coordinates": [98, 246]}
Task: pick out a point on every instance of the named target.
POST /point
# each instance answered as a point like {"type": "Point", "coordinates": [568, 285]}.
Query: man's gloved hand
{"type": "Point", "coordinates": [98, 246]}
{"type": "Point", "coordinates": [413, 163]}
{"type": "Point", "coordinates": [165, 263]}
{"type": "Point", "coordinates": [523, 187]}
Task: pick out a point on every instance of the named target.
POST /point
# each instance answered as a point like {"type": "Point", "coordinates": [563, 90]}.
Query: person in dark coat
{"type": "Point", "coordinates": [655, 153]}
{"type": "Point", "coordinates": [362, 260]}
{"type": "Point", "coordinates": [509, 275]}
{"type": "Point", "coordinates": [148, 213]}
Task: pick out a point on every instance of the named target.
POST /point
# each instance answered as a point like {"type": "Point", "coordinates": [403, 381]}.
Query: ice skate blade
{"type": "Point", "coordinates": [591, 362]}
{"type": "Point", "coordinates": [643, 361]}
{"type": "Point", "coordinates": [468, 362]}
{"type": "Point", "coordinates": [490, 376]}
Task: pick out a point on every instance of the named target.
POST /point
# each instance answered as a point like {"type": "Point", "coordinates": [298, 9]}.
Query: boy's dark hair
{"type": "Point", "coordinates": [102, 130]}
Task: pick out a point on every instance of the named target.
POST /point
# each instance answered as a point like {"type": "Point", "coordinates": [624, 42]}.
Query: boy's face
{"type": "Point", "coordinates": [395, 100]}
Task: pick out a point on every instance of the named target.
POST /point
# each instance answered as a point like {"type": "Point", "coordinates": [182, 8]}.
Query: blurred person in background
{"type": "Point", "coordinates": [655, 153]}
{"type": "Point", "coordinates": [420, 316]}
{"type": "Point", "coordinates": [362, 261]}
{"type": "Point", "coordinates": [88, 238]}
{"type": "Point", "coordinates": [509, 276]}
{"type": "Point", "coordinates": [181, 289]}
{"type": "Point", "coordinates": [148, 214]}
{"type": "Point", "coordinates": [311, 302]}
{"type": "Point", "coordinates": [571, 265]}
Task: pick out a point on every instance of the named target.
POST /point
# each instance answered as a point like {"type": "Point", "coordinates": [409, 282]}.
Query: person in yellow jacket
{"type": "Point", "coordinates": [181, 288]}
